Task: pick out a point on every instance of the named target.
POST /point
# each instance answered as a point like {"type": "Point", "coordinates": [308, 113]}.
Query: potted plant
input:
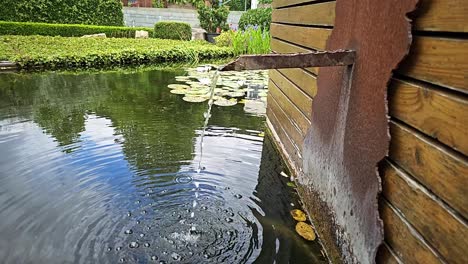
{"type": "Point", "coordinates": [213, 20]}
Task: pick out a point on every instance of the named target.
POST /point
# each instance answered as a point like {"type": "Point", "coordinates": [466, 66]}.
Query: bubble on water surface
{"type": "Point", "coordinates": [142, 235]}
{"type": "Point", "coordinates": [184, 179]}
{"type": "Point", "coordinates": [146, 244]}
{"type": "Point", "coordinates": [154, 258]}
{"type": "Point", "coordinates": [238, 196]}
{"type": "Point", "coordinates": [128, 232]}
{"type": "Point", "coordinates": [118, 248]}
{"type": "Point", "coordinates": [134, 244]}
{"type": "Point", "coordinates": [176, 256]}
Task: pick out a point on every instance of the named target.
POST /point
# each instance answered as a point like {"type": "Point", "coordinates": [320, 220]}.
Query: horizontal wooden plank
{"type": "Point", "coordinates": [441, 61]}
{"type": "Point", "coordinates": [403, 239]}
{"type": "Point", "coordinates": [283, 3]}
{"type": "Point", "coordinates": [441, 115]}
{"type": "Point", "coordinates": [442, 229]}
{"type": "Point", "coordinates": [294, 93]}
{"type": "Point", "coordinates": [296, 116]}
{"type": "Point", "coordinates": [442, 15]}
{"type": "Point", "coordinates": [438, 168]}
{"type": "Point", "coordinates": [313, 38]}
{"type": "Point", "coordinates": [292, 153]}
{"type": "Point", "coordinates": [431, 15]}
{"type": "Point", "coordinates": [280, 46]}
{"type": "Point", "coordinates": [321, 14]}
{"type": "Point", "coordinates": [385, 255]}
{"type": "Point", "coordinates": [306, 81]}
{"type": "Point", "coordinates": [293, 132]}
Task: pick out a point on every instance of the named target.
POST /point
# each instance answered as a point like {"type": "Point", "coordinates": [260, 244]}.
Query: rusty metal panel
{"type": "Point", "coordinates": [349, 132]}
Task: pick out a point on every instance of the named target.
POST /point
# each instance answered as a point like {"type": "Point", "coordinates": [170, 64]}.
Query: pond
{"type": "Point", "coordinates": [102, 168]}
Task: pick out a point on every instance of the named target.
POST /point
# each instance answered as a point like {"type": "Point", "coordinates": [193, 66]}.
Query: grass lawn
{"type": "Point", "coordinates": [32, 52]}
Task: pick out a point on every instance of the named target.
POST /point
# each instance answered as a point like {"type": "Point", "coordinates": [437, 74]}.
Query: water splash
{"type": "Point", "coordinates": [207, 115]}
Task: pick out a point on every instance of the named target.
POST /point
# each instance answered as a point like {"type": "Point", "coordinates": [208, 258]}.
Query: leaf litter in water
{"type": "Point", "coordinates": [306, 231]}
{"type": "Point", "coordinates": [298, 215]}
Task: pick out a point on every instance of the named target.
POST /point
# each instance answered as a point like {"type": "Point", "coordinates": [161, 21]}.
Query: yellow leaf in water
{"type": "Point", "coordinates": [306, 231]}
{"type": "Point", "coordinates": [298, 215]}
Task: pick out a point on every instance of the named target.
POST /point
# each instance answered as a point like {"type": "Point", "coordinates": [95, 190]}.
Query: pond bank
{"type": "Point", "coordinates": [56, 53]}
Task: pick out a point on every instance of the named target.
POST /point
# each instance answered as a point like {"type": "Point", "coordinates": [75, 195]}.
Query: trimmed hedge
{"type": "Point", "coordinates": [31, 52]}
{"type": "Point", "coordinates": [256, 17]}
{"type": "Point", "coordinates": [66, 30]}
{"type": "Point", "coordinates": [90, 12]}
{"type": "Point", "coordinates": [173, 30]}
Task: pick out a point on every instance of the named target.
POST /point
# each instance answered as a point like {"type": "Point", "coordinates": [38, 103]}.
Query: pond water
{"type": "Point", "coordinates": [101, 168]}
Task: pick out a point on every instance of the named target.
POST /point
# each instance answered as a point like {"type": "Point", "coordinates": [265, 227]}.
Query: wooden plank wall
{"type": "Point", "coordinates": [424, 202]}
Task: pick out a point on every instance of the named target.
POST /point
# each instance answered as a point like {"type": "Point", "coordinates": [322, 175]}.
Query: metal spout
{"type": "Point", "coordinates": [296, 60]}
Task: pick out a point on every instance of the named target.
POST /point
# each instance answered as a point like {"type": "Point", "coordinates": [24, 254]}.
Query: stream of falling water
{"type": "Point", "coordinates": [207, 115]}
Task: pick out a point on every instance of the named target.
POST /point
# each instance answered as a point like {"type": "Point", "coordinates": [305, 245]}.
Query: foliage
{"type": "Point", "coordinates": [225, 39]}
{"type": "Point", "coordinates": [173, 30]}
{"type": "Point", "coordinates": [66, 30]}
{"type": "Point", "coordinates": [265, 1]}
{"type": "Point", "coordinates": [212, 18]}
{"type": "Point", "coordinates": [41, 52]}
{"type": "Point", "coordinates": [195, 3]}
{"type": "Point", "coordinates": [251, 41]}
{"type": "Point", "coordinates": [256, 17]}
{"type": "Point", "coordinates": [92, 12]}
{"type": "Point", "coordinates": [238, 5]}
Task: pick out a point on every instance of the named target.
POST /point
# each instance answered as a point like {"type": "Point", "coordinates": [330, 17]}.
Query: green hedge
{"type": "Point", "coordinates": [173, 30]}
{"type": "Point", "coordinates": [91, 12]}
{"type": "Point", "coordinates": [256, 17]}
{"type": "Point", "coordinates": [31, 52]}
{"type": "Point", "coordinates": [66, 30]}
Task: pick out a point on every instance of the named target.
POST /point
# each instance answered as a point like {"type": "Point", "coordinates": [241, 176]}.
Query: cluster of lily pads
{"type": "Point", "coordinates": [231, 87]}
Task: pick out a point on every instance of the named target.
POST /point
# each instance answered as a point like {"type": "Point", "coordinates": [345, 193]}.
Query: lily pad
{"type": "Point", "coordinates": [179, 91]}
{"type": "Point", "coordinates": [194, 99]}
{"type": "Point", "coordinates": [225, 102]}
{"type": "Point", "coordinates": [236, 94]}
{"type": "Point", "coordinates": [298, 215]}
{"type": "Point", "coordinates": [306, 231]}
{"type": "Point", "coordinates": [178, 86]}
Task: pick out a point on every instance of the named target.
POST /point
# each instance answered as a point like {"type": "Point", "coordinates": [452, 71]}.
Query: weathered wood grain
{"type": "Point", "coordinates": [438, 168]}
{"type": "Point", "coordinates": [441, 61]}
{"type": "Point", "coordinates": [441, 115]}
{"type": "Point", "coordinates": [442, 15]}
{"type": "Point", "coordinates": [294, 93]}
{"type": "Point", "coordinates": [283, 3]}
{"type": "Point", "coordinates": [312, 38]}
{"type": "Point", "coordinates": [442, 229]}
{"type": "Point", "coordinates": [294, 133]}
{"type": "Point", "coordinates": [297, 117]}
{"type": "Point", "coordinates": [304, 80]}
{"type": "Point", "coordinates": [385, 255]}
{"type": "Point", "coordinates": [403, 239]}
{"type": "Point", "coordinates": [320, 14]}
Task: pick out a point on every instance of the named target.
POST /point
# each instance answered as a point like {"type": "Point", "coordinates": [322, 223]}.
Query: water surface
{"type": "Point", "coordinates": [101, 168]}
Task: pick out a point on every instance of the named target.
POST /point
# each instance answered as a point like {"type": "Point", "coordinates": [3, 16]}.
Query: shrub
{"type": "Point", "coordinates": [213, 18]}
{"type": "Point", "coordinates": [173, 30]}
{"type": "Point", "coordinates": [256, 17]}
{"type": "Point", "coordinates": [45, 52]}
{"type": "Point", "coordinates": [66, 30]}
{"type": "Point", "coordinates": [225, 39]}
{"type": "Point", "coordinates": [92, 12]}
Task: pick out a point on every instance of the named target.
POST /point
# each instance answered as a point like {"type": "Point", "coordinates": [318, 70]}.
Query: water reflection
{"type": "Point", "coordinates": [99, 168]}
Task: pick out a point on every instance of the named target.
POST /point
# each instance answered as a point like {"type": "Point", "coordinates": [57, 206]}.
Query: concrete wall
{"type": "Point", "coordinates": [147, 17]}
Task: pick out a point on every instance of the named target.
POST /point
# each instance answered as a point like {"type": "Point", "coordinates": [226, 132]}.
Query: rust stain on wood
{"type": "Point", "coordinates": [349, 131]}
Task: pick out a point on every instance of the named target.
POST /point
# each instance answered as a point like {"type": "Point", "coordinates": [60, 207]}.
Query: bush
{"type": "Point", "coordinates": [213, 18]}
{"type": "Point", "coordinates": [66, 30]}
{"type": "Point", "coordinates": [173, 30]}
{"type": "Point", "coordinates": [225, 39]}
{"type": "Point", "coordinates": [256, 17]}
{"type": "Point", "coordinates": [44, 52]}
{"type": "Point", "coordinates": [91, 12]}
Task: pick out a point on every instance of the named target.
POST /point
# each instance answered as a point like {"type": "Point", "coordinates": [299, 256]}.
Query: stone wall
{"type": "Point", "coordinates": [147, 17]}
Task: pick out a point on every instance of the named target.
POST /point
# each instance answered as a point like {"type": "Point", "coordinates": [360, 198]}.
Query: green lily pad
{"type": "Point", "coordinates": [178, 86]}
{"type": "Point", "coordinates": [179, 91]}
{"type": "Point", "coordinates": [225, 102]}
{"type": "Point", "coordinates": [194, 99]}
{"type": "Point", "coordinates": [236, 94]}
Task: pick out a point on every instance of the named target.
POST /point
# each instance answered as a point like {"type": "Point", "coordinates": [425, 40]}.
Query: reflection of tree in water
{"type": "Point", "coordinates": [278, 224]}
{"type": "Point", "coordinates": [158, 127]}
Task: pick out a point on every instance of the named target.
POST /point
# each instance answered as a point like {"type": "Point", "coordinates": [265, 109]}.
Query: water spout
{"type": "Point", "coordinates": [296, 60]}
